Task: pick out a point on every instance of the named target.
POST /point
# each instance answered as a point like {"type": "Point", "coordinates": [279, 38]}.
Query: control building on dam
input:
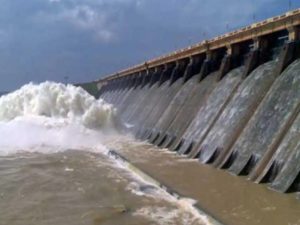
{"type": "Point", "coordinates": [232, 102]}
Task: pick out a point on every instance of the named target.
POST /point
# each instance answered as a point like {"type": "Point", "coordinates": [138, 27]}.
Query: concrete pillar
{"type": "Point", "coordinates": [139, 79]}
{"type": "Point", "coordinates": [228, 60]}
{"type": "Point", "coordinates": [175, 72]}
{"type": "Point", "coordinates": [257, 56]}
{"type": "Point", "coordinates": [143, 77]}
{"type": "Point", "coordinates": [166, 72]}
{"type": "Point", "coordinates": [260, 43]}
{"type": "Point", "coordinates": [206, 65]}
{"type": "Point", "coordinates": [146, 73]}
{"type": "Point", "coordinates": [156, 75]}
{"type": "Point", "coordinates": [135, 80]}
{"type": "Point", "coordinates": [188, 71]}
{"type": "Point", "coordinates": [180, 70]}
{"type": "Point", "coordinates": [151, 75]}
{"type": "Point", "coordinates": [251, 62]}
{"type": "Point", "coordinates": [287, 55]}
{"type": "Point", "coordinates": [194, 66]}
{"type": "Point", "coordinates": [294, 33]}
{"type": "Point", "coordinates": [162, 74]}
{"type": "Point", "coordinates": [232, 49]}
{"type": "Point", "coordinates": [147, 77]}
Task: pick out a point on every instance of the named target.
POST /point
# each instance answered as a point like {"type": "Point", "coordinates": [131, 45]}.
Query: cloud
{"type": "Point", "coordinates": [85, 39]}
{"type": "Point", "coordinates": [99, 17]}
{"type": "Point", "coordinates": [87, 19]}
{"type": "Point", "coordinates": [82, 17]}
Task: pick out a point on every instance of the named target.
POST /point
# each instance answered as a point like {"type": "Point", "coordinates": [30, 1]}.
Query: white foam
{"type": "Point", "coordinates": [184, 208]}
{"type": "Point", "coordinates": [47, 135]}
{"type": "Point", "coordinates": [52, 117]}
{"type": "Point", "coordinates": [55, 100]}
{"type": "Point", "coordinates": [167, 216]}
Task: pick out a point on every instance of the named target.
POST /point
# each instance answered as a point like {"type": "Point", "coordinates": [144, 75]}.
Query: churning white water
{"type": "Point", "coordinates": [39, 116]}
{"type": "Point", "coordinates": [56, 101]}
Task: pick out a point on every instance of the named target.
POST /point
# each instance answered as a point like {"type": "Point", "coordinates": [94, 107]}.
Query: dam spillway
{"type": "Point", "coordinates": [232, 102]}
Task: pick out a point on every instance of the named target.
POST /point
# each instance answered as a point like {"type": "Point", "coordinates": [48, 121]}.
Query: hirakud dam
{"type": "Point", "coordinates": [206, 135]}
{"type": "Point", "coordinates": [231, 102]}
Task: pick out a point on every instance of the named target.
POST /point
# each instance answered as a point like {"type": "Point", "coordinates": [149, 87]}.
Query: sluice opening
{"type": "Point", "coordinates": [273, 172]}
{"type": "Point", "coordinates": [229, 161]}
{"type": "Point", "coordinates": [295, 187]}
{"type": "Point", "coordinates": [189, 148]}
{"type": "Point", "coordinates": [249, 166]}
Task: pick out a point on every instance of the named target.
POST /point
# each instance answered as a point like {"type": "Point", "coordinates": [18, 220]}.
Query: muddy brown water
{"type": "Point", "coordinates": [81, 188]}
{"type": "Point", "coordinates": [231, 199]}
{"type": "Point", "coordinates": [78, 187]}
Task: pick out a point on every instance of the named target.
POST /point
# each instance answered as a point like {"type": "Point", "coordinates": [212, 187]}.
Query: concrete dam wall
{"type": "Point", "coordinates": [232, 102]}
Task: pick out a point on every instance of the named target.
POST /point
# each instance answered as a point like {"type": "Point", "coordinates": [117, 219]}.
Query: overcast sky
{"type": "Point", "coordinates": [86, 39]}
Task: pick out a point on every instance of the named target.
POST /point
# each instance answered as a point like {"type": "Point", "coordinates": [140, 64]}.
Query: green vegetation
{"type": "Point", "coordinates": [90, 87]}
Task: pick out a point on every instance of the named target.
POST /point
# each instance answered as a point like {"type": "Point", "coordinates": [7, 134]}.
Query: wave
{"type": "Point", "coordinates": [57, 100]}
{"type": "Point", "coordinates": [52, 117]}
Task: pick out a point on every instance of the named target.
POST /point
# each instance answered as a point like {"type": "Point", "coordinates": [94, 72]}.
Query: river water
{"type": "Point", "coordinates": [55, 167]}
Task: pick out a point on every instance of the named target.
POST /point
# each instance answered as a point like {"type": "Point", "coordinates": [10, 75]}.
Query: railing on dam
{"type": "Point", "coordinates": [232, 102]}
{"type": "Point", "coordinates": [288, 21]}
